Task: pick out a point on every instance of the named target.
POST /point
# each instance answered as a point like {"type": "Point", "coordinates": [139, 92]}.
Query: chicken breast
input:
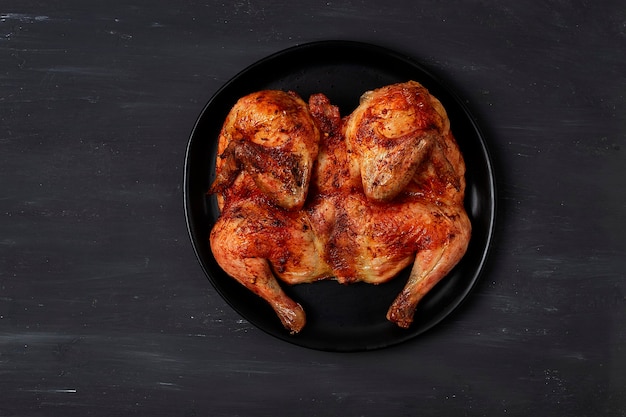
{"type": "Point", "coordinates": [392, 132]}
{"type": "Point", "coordinates": [270, 135]}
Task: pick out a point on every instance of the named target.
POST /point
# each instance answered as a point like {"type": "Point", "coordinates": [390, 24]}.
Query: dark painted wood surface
{"type": "Point", "coordinates": [104, 309]}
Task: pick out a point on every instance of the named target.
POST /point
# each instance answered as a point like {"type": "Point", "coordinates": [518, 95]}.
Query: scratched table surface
{"type": "Point", "coordinates": [105, 310]}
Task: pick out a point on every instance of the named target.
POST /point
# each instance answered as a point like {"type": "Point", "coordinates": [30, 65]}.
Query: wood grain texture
{"type": "Point", "coordinates": [104, 309]}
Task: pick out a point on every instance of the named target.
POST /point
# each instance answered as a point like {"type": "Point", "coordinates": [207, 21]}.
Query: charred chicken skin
{"type": "Point", "coordinates": [353, 199]}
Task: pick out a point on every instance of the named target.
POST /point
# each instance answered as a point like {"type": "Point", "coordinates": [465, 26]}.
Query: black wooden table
{"type": "Point", "coordinates": [104, 309]}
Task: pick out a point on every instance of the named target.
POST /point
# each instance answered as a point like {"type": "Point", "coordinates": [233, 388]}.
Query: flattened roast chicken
{"type": "Point", "coordinates": [306, 194]}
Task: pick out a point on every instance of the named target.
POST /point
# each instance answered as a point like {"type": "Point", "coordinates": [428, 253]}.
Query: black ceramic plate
{"type": "Point", "coordinates": [340, 317]}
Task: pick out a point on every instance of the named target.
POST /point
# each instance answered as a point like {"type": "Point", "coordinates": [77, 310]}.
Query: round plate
{"type": "Point", "coordinates": [340, 317]}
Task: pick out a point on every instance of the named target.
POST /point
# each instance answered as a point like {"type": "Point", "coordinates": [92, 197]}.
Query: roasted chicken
{"type": "Point", "coordinates": [353, 199]}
